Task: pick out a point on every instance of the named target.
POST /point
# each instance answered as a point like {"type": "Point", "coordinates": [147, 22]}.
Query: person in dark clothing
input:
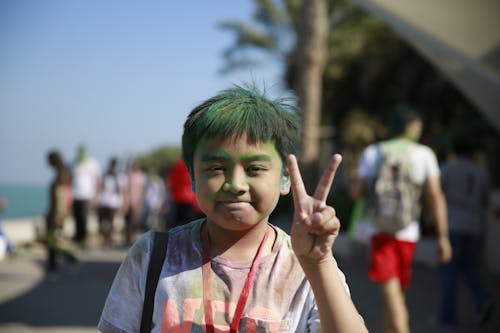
{"type": "Point", "coordinates": [60, 201]}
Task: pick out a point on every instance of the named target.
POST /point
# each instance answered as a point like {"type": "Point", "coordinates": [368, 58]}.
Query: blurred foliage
{"type": "Point", "coordinates": [359, 129]}
{"type": "Point", "coordinates": [159, 160]}
{"type": "Point", "coordinates": [269, 33]}
{"type": "Point", "coordinates": [369, 70]}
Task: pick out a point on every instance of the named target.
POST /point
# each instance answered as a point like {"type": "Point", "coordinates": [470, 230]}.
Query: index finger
{"type": "Point", "coordinates": [296, 182]}
{"type": "Point", "coordinates": [326, 180]}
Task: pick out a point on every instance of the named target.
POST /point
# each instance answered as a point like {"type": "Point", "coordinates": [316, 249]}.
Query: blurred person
{"type": "Point", "coordinates": [86, 177]}
{"type": "Point", "coordinates": [392, 176]}
{"type": "Point", "coordinates": [183, 205]}
{"type": "Point", "coordinates": [155, 202]}
{"type": "Point", "coordinates": [60, 203]}
{"type": "Point", "coordinates": [111, 195]}
{"type": "Point", "coordinates": [466, 186]}
{"type": "Point", "coordinates": [136, 187]}
{"type": "Point", "coordinates": [3, 204]}
{"type": "Point", "coordinates": [6, 246]}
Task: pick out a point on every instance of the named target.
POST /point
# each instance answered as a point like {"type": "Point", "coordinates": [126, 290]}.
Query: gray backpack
{"type": "Point", "coordinates": [395, 196]}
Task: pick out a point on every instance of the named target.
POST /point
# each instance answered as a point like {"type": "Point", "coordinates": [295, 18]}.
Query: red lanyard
{"type": "Point", "coordinates": [206, 269]}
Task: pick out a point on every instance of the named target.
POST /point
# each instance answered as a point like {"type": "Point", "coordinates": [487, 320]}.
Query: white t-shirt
{"type": "Point", "coordinates": [86, 175]}
{"type": "Point", "coordinates": [281, 299]}
{"type": "Point", "coordinates": [111, 194]}
{"type": "Point", "coordinates": [424, 164]}
{"type": "Point", "coordinates": [155, 194]}
{"type": "Point", "coordinates": [464, 185]}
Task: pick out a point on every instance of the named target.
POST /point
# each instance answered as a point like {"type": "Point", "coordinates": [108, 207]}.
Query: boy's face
{"type": "Point", "coordinates": [237, 183]}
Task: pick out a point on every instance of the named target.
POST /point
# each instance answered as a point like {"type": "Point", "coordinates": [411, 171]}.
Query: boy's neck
{"type": "Point", "coordinates": [239, 246]}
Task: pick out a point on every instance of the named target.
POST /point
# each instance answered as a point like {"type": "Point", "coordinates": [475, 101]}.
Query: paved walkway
{"type": "Point", "coordinates": [72, 303]}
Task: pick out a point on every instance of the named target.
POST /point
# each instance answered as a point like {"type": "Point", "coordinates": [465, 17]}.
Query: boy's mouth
{"type": "Point", "coordinates": [235, 204]}
{"type": "Point", "coordinates": [235, 210]}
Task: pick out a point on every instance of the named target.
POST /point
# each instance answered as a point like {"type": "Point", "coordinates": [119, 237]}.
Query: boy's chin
{"type": "Point", "coordinates": [235, 223]}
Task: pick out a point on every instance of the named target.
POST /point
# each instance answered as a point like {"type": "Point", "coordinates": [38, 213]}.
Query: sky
{"type": "Point", "coordinates": [118, 76]}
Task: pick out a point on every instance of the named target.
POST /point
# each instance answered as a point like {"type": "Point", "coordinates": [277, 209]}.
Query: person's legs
{"type": "Point", "coordinates": [471, 260]}
{"type": "Point", "coordinates": [80, 213]}
{"type": "Point", "coordinates": [390, 266]}
{"type": "Point", "coordinates": [50, 244]}
{"type": "Point", "coordinates": [106, 217]}
{"type": "Point", "coordinates": [127, 230]}
{"type": "Point", "coordinates": [396, 318]}
{"type": "Point", "coordinates": [449, 283]}
{"type": "Point", "coordinates": [131, 225]}
{"type": "Point", "coordinates": [470, 266]}
{"type": "Point", "coordinates": [51, 247]}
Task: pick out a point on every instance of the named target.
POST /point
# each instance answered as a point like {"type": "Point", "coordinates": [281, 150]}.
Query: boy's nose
{"type": "Point", "coordinates": [236, 182]}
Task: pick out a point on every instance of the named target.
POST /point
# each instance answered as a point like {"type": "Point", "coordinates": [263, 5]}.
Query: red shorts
{"type": "Point", "coordinates": [391, 258]}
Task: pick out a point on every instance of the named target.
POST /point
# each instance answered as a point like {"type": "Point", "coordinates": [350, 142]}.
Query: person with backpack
{"type": "Point", "coordinates": [392, 177]}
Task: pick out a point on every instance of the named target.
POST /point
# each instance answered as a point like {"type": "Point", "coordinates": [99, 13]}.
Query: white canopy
{"type": "Point", "coordinates": [460, 37]}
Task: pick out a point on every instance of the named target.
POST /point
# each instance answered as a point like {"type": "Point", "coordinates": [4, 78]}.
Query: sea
{"type": "Point", "coordinates": [23, 200]}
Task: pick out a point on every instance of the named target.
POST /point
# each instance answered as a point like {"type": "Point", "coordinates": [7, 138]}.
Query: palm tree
{"type": "Point", "coordinates": [310, 19]}
{"type": "Point", "coordinates": [311, 55]}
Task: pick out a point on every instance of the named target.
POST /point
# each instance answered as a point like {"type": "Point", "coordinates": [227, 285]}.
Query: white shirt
{"type": "Point", "coordinates": [86, 175]}
{"type": "Point", "coordinates": [281, 299]}
{"type": "Point", "coordinates": [424, 164]}
{"type": "Point", "coordinates": [111, 190]}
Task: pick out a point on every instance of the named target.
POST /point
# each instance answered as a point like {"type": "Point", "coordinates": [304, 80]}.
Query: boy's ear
{"type": "Point", "coordinates": [285, 185]}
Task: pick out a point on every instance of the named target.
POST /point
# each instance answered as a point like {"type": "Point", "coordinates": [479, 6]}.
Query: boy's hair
{"type": "Point", "coordinates": [238, 111]}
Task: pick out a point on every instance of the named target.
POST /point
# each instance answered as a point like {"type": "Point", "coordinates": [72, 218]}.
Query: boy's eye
{"type": "Point", "coordinates": [214, 168]}
{"type": "Point", "coordinates": [253, 169]}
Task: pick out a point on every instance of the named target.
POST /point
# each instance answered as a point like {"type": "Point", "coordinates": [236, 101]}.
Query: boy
{"type": "Point", "coordinates": [234, 146]}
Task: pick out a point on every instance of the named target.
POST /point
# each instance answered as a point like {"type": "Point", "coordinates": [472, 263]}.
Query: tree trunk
{"type": "Point", "coordinates": [311, 54]}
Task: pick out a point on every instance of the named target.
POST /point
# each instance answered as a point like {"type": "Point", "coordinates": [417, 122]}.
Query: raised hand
{"type": "Point", "coordinates": [315, 225]}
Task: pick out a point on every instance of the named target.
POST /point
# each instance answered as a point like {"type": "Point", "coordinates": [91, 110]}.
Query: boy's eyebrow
{"type": "Point", "coordinates": [222, 156]}
{"type": "Point", "coordinates": [214, 156]}
{"type": "Point", "coordinates": [257, 157]}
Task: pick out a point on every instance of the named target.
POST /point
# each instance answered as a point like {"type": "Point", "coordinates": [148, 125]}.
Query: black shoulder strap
{"type": "Point", "coordinates": [160, 241]}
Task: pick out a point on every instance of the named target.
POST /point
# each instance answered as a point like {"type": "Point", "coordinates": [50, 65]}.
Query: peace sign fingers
{"type": "Point", "coordinates": [315, 224]}
{"type": "Point", "coordinates": [325, 183]}
{"type": "Point", "coordinates": [297, 184]}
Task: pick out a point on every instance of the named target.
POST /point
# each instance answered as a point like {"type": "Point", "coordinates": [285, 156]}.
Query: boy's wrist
{"type": "Point", "coordinates": [316, 263]}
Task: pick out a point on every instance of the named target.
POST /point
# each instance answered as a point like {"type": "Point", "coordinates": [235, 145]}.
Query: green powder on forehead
{"type": "Point", "coordinates": [240, 111]}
